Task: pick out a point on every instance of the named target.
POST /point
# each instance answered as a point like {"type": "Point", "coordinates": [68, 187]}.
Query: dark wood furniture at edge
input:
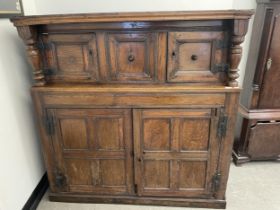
{"type": "Point", "coordinates": [258, 135]}
{"type": "Point", "coordinates": [137, 108]}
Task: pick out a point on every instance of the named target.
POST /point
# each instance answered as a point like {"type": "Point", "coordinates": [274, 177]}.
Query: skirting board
{"type": "Point", "coordinates": [37, 194]}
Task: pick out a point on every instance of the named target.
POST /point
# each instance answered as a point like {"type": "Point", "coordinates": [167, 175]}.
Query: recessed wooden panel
{"type": "Point", "coordinates": [70, 57]}
{"type": "Point", "coordinates": [78, 171]}
{"type": "Point", "coordinates": [125, 63]}
{"type": "Point", "coordinates": [74, 133]}
{"type": "Point", "coordinates": [194, 56]}
{"type": "Point", "coordinates": [132, 57]}
{"type": "Point", "coordinates": [195, 134]}
{"type": "Point", "coordinates": [201, 50]}
{"type": "Point", "coordinates": [156, 174]}
{"type": "Point", "coordinates": [113, 172]}
{"type": "Point", "coordinates": [264, 140]}
{"type": "Point", "coordinates": [109, 133]}
{"type": "Point", "coordinates": [192, 174]}
{"type": "Point", "coordinates": [156, 134]}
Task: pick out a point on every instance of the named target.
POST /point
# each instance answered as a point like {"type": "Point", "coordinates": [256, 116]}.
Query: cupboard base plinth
{"type": "Point", "coordinates": [239, 159]}
{"type": "Point", "coordinates": [161, 201]}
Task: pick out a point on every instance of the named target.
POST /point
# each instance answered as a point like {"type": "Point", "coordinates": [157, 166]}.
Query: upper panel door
{"type": "Point", "coordinates": [70, 57]}
{"type": "Point", "coordinates": [270, 63]}
{"type": "Point", "coordinates": [196, 57]}
{"type": "Point", "coordinates": [93, 150]}
{"type": "Point", "coordinates": [176, 152]}
{"type": "Point", "coordinates": [134, 56]}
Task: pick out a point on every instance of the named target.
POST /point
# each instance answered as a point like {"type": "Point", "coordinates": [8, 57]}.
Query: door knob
{"type": "Point", "coordinates": [130, 58]}
{"type": "Point", "coordinates": [194, 57]}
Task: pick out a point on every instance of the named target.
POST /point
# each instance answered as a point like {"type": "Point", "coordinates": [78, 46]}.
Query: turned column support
{"type": "Point", "coordinates": [240, 27]}
{"type": "Point", "coordinates": [29, 36]}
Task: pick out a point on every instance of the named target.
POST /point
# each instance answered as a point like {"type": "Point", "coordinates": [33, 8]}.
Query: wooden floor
{"type": "Point", "coordinates": [253, 186]}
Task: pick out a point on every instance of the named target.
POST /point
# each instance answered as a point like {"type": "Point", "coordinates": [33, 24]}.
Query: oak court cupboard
{"type": "Point", "coordinates": [136, 108]}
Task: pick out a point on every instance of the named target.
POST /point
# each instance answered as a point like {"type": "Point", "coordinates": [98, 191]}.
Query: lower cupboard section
{"type": "Point", "coordinates": [129, 154]}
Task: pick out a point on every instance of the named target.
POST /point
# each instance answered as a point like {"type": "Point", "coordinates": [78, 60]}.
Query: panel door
{"type": "Point", "coordinates": [270, 94]}
{"type": "Point", "coordinates": [196, 56]}
{"type": "Point", "coordinates": [176, 152]}
{"type": "Point", "coordinates": [134, 56]}
{"type": "Point", "coordinates": [264, 140]}
{"type": "Point", "coordinates": [70, 57]}
{"type": "Point", "coordinates": [93, 150]}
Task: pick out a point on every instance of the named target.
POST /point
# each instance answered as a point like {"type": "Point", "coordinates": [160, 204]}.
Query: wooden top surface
{"type": "Point", "coordinates": [132, 16]}
{"type": "Point", "coordinates": [124, 88]}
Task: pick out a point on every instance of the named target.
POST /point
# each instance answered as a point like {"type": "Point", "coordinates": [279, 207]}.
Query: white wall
{"type": "Point", "coordinates": [80, 6]}
{"type": "Point", "coordinates": [20, 156]}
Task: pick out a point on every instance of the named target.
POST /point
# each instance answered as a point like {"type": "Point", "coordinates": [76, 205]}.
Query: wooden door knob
{"type": "Point", "coordinates": [130, 58]}
{"type": "Point", "coordinates": [194, 57]}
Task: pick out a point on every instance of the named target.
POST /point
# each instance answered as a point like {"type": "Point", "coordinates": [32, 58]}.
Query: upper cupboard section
{"type": "Point", "coordinates": [134, 56]}
{"type": "Point", "coordinates": [202, 47]}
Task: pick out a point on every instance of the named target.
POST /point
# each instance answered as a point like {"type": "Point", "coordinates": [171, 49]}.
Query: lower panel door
{"type": "Point", "coordinates": [264, 140]}
{"type": "Point", "coordinates": [92, 148]}
{"type": "Point", "coordinates": [176, 151]}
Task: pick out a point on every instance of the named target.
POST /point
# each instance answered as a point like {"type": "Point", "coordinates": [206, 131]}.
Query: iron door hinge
{"type": "Point", "coordinates": [131, 153]}
{"type": "Point", "coordinates": [60, 180]}
{"type": "Point", "coordinates": [222, 44]}
{"type": "Point", "coordinates": [43, 46]}
{"type": "Point", "coordinates": [49, 72]}
{"type": "Point", "coordinates": [135, 188]}
{"type": "Point", "coordinates": [49, 124]}
{"type": "Point", "coordinates": [222, 67]}
{"type": "Point", "coordinates": [216, 181]}
{"type": "Point", "coordinates": [222, 125]}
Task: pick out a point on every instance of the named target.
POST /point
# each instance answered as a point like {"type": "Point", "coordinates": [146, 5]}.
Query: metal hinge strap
{"type": "Point", "coordinates": [216, 181]}
{"type": "Point", "coordinates": [222, 125]}
{"type": "Point", "coordinates": [43, 46]}
{"type": "Point", "coordinates": [135, 188]}
{"type": "Point", "coordinates": [40, 45]}
{"type": "Point", "coordinates": [222, 67]}
{"type": "Point", "coordinates": [222, 44]}
{"type": "Point", "coordinates": [60, 179]}
{"type": "Point", "coordinates": [49, 124]}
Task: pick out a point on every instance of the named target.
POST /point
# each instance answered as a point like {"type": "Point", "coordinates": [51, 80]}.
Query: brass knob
{"type": "Point", "coordinates": [194, 57]}
{"type": "Point", "coordinates": [268, 64]}
{"type": "Point", "coordinates": [130, 58]}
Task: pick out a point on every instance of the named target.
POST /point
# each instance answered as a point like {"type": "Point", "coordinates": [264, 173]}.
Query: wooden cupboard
{"type": "Point", "coordinates": [136, 108]}
{"type": "Point", "coordinates": [257, 136]}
